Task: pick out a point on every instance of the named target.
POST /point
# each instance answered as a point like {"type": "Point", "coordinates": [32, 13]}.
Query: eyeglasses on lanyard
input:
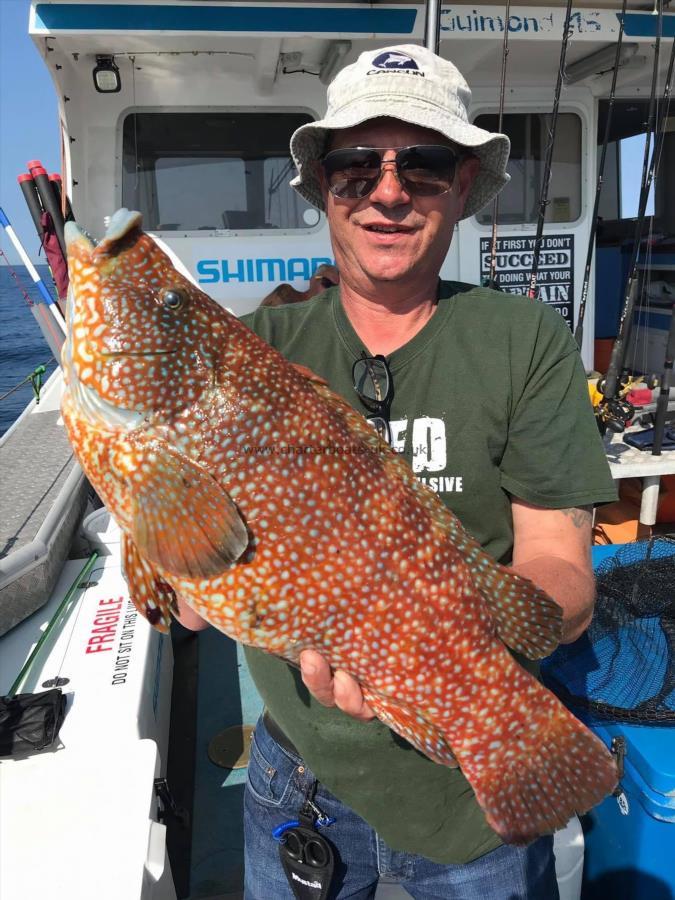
{"type": "Point", "coordinates": [373, 382]}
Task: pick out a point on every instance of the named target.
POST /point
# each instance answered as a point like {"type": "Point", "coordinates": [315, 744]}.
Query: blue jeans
{"type": "Point", "coordinates": [277, 785]}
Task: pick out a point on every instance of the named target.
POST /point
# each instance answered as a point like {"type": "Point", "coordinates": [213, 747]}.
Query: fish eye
{"type": "Point", "coordinates": [173, 298]}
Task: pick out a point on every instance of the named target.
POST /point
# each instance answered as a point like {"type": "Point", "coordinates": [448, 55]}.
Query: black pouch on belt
{"type": "Point", "coordinates": [307, 857]}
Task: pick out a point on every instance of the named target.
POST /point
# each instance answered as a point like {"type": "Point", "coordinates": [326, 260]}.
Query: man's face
{"type": "Point", "coordinates": [413, 253]}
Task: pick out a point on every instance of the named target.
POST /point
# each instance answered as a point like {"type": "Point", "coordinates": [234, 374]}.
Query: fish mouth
{"type": "Point", "coordinates": [121, 223]}
{"type": "Point", "coordinates": [72, 233]}
{"type": "Point", "coordinates": [100, 412]}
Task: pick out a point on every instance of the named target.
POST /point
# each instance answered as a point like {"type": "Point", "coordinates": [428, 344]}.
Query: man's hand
{"type": "Point", "coordinates": [333, 689]}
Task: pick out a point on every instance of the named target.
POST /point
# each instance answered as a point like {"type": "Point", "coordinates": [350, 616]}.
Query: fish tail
{"type": "Point", "coordinates": [535, 782]}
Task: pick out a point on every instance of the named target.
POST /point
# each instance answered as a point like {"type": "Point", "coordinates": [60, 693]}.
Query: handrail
{"type": "Point", "coordinates": [86, 569]}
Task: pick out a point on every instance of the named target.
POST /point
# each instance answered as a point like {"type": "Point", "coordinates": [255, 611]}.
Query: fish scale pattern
{"type": "Point", "coordinates": [273, 509]}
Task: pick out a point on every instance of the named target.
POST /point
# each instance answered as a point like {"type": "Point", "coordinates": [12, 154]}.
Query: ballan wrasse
{"type": "Point", "coordinates": [243, 484]}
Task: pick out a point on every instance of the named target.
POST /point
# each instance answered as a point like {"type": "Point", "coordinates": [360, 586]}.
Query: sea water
{"type": "Point", "coordinates": [22, 346]}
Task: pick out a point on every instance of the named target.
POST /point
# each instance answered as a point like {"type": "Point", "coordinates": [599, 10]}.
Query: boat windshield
{"type": "Point", "coordinates": [204, 171]}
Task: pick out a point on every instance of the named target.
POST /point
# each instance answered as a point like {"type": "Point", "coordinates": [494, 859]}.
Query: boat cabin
{"type": "Point", "coordinates": [183, 109]}
{"type": "Point", "coordinates": [205, 97]}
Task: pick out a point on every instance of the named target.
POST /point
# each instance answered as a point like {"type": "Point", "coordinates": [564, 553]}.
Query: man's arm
{"type": "Point", "coordinates": [551, 547]}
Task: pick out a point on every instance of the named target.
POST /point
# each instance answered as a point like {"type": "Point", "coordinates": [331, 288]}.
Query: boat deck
{"type": "Point", "coordinates": [29, 491]}
{"type": "Point", "coordinates": [215, 667]}
{"type": "Point", "coordinates": [43, 497]}
{"type": "Point", "coordinates": [227, 696]}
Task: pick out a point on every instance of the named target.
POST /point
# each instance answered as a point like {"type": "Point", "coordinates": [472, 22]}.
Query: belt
{"type": "Point", "coordinates": [277, 734]}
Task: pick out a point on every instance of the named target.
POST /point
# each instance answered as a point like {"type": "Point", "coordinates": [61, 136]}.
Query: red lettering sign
{"type": "Point", "coordinates": [104, 626]}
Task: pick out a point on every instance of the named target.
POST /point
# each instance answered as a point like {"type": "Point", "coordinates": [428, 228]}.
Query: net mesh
{"type": "Point", "coordinates": [623, 667]}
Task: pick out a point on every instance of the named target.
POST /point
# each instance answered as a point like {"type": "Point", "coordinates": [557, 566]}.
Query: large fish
{"type": "Point", "coordinates": [247, 487]}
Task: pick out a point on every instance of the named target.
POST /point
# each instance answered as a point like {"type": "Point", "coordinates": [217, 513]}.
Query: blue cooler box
{"type": "Point", "coordinates": [630, 839]}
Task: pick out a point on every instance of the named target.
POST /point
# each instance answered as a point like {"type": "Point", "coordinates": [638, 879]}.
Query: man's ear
{"type": "Point", "coordinates": [321, 178]}
{"type": "Point", "coordinates": [466, 175]}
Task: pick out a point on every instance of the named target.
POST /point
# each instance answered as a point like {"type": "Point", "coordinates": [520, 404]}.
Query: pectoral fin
{"type": "Point", "coordinates": [151, 595]}
{"type": "Point", "coordinates": [183, 520]}
{"type": "Point", "coordinates": [528, 620]}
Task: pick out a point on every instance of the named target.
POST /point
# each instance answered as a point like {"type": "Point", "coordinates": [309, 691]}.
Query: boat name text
{"type": "Point", "coordinates": [476, 22]}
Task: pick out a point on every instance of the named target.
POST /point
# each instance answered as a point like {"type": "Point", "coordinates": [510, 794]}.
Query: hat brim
{"type": "Point", "coordinates": [308, 145]}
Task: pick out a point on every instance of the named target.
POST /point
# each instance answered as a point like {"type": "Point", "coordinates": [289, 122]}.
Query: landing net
{"type": "Point", "coordinates": [623, 667]}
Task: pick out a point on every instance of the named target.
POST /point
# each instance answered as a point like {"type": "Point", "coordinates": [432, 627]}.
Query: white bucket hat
{"type": "Point", "coordinates": [409, 83]}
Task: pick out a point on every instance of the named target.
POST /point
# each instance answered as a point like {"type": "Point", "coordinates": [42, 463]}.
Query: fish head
{"type": "Point", "coordinates": [141, 337]}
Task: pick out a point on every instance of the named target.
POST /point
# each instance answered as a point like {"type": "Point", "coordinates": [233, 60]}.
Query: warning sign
{"type": "Point", "coordinates": [555, 276]}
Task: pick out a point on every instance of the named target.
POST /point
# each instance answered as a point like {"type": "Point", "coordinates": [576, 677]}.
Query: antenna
{"type": "Point", "coordinates": [432, 27]}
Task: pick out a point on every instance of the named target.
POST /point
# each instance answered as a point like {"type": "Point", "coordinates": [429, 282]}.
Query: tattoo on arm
{"type": "Point", "coordinates": [580, 515]}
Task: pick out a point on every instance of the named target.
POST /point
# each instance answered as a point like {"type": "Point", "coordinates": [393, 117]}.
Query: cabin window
{"type": "Point", "coordinates": [621, 183]}
{"type": "Point", "coordinates": [205, 171]}
{"type": "Point", "coordinates": [519, 201]}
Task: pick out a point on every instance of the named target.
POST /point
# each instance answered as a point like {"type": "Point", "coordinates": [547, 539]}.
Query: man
{"type": "Point", "coordinates": [490, 408]}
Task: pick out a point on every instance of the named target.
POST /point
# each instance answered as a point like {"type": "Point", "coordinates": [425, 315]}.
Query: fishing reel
{"type": "Point", "coordinates": [614, 414]}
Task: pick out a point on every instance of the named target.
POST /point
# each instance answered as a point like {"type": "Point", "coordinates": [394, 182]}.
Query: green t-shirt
{"type": "Point", "coordinates": [490, 401]}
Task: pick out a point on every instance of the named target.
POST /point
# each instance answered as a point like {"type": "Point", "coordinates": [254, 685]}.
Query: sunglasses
{"type": "Point", "coordinates": [373, 383]}
{"type": "Point", "coordinates": [423, 170]}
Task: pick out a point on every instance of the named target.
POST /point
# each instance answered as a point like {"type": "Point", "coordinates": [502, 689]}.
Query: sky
{"type": "Point", "coordinates": [29, 127]}
{"type": "Point", "coordinates": [28, 121]}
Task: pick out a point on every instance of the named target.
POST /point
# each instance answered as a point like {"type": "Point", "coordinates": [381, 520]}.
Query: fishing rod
{"type": "Point", "coordinates": [543, 200]}
{"type": "Point", "coordinates": [502, 88]}
{"type": "Point", "coordinates": [62, 199]}
{"type": "Point", "coordinates": [47, 314]}
{"type": "Point", "coordinates": [664, 390]}
{"type": "Point", "coordinates": [32, 271]}
{"type": "Point", "coordinates": [611, 412]}
{"type": "Point", "coordinates": [579, 333]}
{"type": "Point", "coordinates": [45, 199]}
{"type": "Point", "coordinates": [59, 618]}
{"type": "Point", "coordinates": [432, 26]}
{"type": "Point", "coordinates": [48, 198]}
{"type": "Point", "coordinates": [32, 198]}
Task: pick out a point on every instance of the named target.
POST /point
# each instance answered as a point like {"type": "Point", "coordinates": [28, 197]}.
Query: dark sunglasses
{"type": "Point", "coordinates": [373, 383]}
{"type": "Point", "coordinates": [422, 170]}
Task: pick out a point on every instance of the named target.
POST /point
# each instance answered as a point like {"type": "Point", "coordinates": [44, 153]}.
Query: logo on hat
{"type": "Point", "coordinates": [391, 59]}
{"type": "Point", "coordinates": [394, 61]}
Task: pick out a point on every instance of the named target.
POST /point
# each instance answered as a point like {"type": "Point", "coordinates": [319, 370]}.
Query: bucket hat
{"type": "Point", "coordinates": [412, 84]}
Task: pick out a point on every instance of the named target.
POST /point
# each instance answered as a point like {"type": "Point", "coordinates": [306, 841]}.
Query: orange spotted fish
{"type": "Point", "coordinates": [245, 486]}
